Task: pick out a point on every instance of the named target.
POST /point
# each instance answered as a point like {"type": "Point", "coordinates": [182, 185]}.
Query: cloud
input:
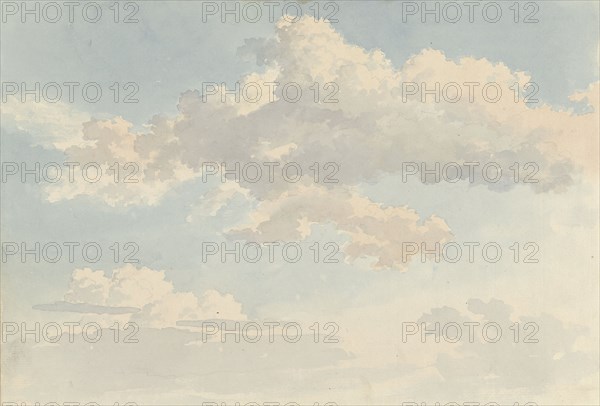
{"type": "Point", "coordinates": [369, 132]}
{"type": "Point", "coordinates": [550, 361]}
{"type": "Point", "coordinates": [145, 295]}
{"type": "Point", "coordinates": [52, 125]}
{"type": "Point", "coordinates": [546, 354]}
{"type": "Point", "coordinates": [374, 231]}
{"type": "Point", "coordinates": [143, 173]}
{"type": "Point", "coordinates": [216, 199]}
{"type": "Point", "coordinates": [62, 306]}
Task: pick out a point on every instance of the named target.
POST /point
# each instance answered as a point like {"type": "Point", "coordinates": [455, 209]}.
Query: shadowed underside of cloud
{"type": "Point", "coordinates": [62, 306]}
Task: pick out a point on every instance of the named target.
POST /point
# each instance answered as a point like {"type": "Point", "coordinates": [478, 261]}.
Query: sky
{"type": "Point", "coordinates": [405, 209]}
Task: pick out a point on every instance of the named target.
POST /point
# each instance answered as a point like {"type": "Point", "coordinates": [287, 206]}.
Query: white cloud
{"type": "Point", "coordinates": [146, 289]}
{"type": "Point", "coordinates": [369, 132]}
{"type": "Point", "coordinates": [52, 125]}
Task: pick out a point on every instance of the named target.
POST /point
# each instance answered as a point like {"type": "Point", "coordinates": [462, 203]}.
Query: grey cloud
{"type": "Point", "coordinates": [533, 367]}
{"type": "Point", "coordinates": [62, 306]}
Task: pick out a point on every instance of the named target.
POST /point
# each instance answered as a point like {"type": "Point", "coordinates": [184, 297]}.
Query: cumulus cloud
{"type": "Point", "coordinates": [129, 172]}
{"type": "Point", "coordinates": [151, 300]}
{"type": "Point", "coordinates": [370, 132]}
{"type": "Point", "coordinates": [375, 125]}
{"type": "Point", "coordinates": [374, 231]}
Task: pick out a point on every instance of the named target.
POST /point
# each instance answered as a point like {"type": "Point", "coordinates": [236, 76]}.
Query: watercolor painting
{"type": "Point", "coordinates": [332, 203]}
